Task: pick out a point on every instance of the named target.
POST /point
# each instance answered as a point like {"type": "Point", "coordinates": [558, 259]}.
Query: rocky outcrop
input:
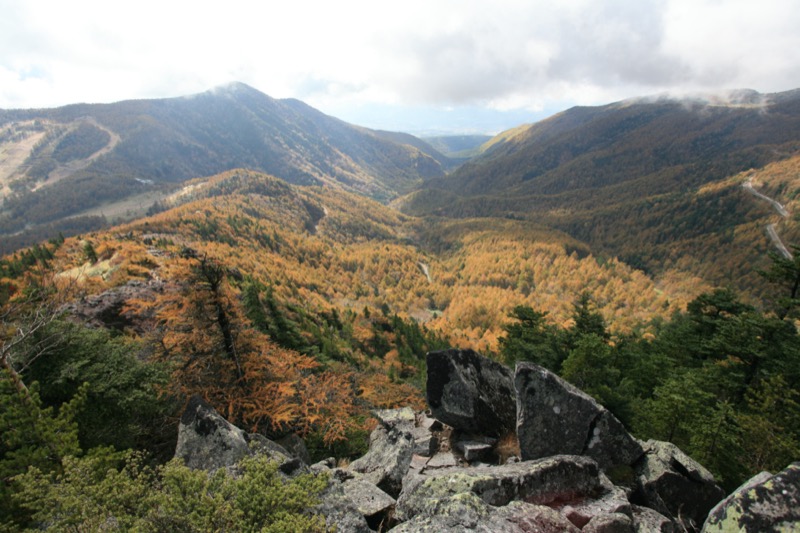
{"type": "Point", "coordinates": [554, 417]}
{"type": "Point", "coordinates": [422, 475]}
{"type": "Point", "coordinates": [108, 310]}
{"type": "Point", "coordinates": [471, 393]}
{"type": "Point", "coordinates": [206, 441]}
{"type": "Point", "coordinates": [675, 485]}
{"type": "Point", "coordinates": [764, 503]}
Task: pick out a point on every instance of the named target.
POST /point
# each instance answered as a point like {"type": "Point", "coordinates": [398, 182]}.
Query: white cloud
{"type": "Point", "coordinates": [502, 54]}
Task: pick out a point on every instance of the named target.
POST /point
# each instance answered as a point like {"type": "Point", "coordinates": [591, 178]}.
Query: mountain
{"type": "Point", "coordinates": [634, 179]}
{"type": "Point", "coordinates": [61, 162]}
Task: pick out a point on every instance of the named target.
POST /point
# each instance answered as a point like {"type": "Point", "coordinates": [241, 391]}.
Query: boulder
{"type": "Point", "coordinates": [391, 446]}
{"type": "Point", "coordinates": [765, 503]}
{"type": "Point", "coordinates": [554, 417]}
{"type": "Point", "coordinates": [675, 485]}
{"type": "Point", "coordinates": [340, 513]}
{"type": "Point", "coordinates": [471, 393]}
{"type": "Point", "coordinates": [470, 513]}
{"type": "Point", "coordinates": [373, 504]}
{"type": "Point", "coordinates": [206, 441]}
{"type": "Point", "coordinates": [610, 523]}
{"type": "Point", "coordinates": [559, 479]}
{"type": "Point", "coordinates": [609, 500]}
{"type": "Point", "coordinates": [646, 520]}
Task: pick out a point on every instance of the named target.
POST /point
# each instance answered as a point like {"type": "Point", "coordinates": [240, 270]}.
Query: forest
{"type": "Point", "coordinates": [298, 310]}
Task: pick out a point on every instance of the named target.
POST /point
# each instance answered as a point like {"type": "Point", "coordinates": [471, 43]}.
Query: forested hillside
{"type": "Point", "coordinates": [639, 180]}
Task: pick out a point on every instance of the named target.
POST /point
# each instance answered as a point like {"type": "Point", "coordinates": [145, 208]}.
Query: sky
{"type": "Point", "coordinates": [422, 66]}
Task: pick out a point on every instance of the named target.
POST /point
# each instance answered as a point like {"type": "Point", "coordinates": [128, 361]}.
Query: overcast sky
{"type": "Point", "coordinates": [410, 65]}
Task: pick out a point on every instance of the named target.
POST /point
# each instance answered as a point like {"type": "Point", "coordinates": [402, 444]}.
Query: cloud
{"type": "Point", "coordinates": [505, 54]}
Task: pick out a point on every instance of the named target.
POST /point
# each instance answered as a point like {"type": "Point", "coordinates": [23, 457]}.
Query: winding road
{"type": "Point", "coordinates": [771, 230]}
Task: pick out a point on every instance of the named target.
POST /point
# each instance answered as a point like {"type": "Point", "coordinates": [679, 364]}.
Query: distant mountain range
{"type": "Point", "coordinates": [62, 162]}
{"type": "Point", "coordinates": [655, 182]}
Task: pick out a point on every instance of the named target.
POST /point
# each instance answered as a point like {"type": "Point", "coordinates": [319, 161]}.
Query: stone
{"type": "Point", "coordinates": [296, 446]}
{"type": "Point", "coordinates": [206, 441]}
{"type": "Point", "coordinates": [425, 442]}
{"type": "Point", "coordinates": [467, 512]}
{"type": "Point", "coordinates": [554, 417]}
{"type": "Point", "coordinates": [764, 503]}
{"type": "Point", "coordinates": [675, 485]}
{"type": "Point", "coordinates": [609, 523]}
{"type": "Point", "coordinates": [391, 446]}
{"type": "Point", "coordinates": [473, 450]}
{"type": "Point", "coordinates": [340, 513]}
{"type": "Point", "coordinates": [471, 393]}
{"type": "Point", "coordinates": [442, 460]}
{"type": "Point", "coordinates": [609, 500]}
{"type": "Point", "coordinates": [554, 479]}
{"type": "Point", "coordinates": [374, 504]}
{"type": "Point", "coordinates": [646, 520]}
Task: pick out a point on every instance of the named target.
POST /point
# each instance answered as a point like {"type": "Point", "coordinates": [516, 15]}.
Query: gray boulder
{"type": "Point", "coordinates": [610, 523]}
{"type": "Point", "coordinates": [391, 447]}
{"type": "Point", "coordinates": [470, 513]}
{"type": "Point", "coordinates": [554, 417]}
{"type": "Point", "coordinates": [471, 393]}
{"type": "Point", "coordinates": [765, 503]}
{"type": "Point", "coordinates": [340, 513]}
{"type": "Point", "coordinates": [206, 441]}
{"type": "Point", "coordinates": [555, 479]}
{"type": "Point", "coordinates": [675, 485]}
{"type": "Point", "coordinates": [646, 520]}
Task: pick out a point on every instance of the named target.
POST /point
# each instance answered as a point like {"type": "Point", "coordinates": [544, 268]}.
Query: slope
{"type": "Point", "coordinates": [634, 180]}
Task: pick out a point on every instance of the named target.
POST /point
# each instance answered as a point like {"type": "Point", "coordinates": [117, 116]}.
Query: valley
{"type": "Point", "coordinates": [293, 271]}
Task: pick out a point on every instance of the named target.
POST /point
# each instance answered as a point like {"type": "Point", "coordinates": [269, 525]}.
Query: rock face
{"type": "Point", "coordinates": [471, 393]}
{"type": "Point", "coordinates": [765, 503]}
{"type": "Point", "coordinates": [675, 485]}
{"type": "Point", "coordinates": [554, 417]}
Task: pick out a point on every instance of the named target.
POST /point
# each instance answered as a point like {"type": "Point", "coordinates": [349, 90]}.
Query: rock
{"type": "Point", "coordinates": [609, 500]}
{"type": "Point", "coordinates": [404, 418]}
{"type": "Point", "coordinates": [609, 523]}
{"type": "Point", "coordinates": [471, 393]}
{"type": "Point", "coordinates": [391, 446]}
{"type": "Point", "coordinates": [675, 485]}
{"type": "Point", "coordinates": [646, 520]}
{"type": "Point", "coordinates": [560, 478]}
{"type": "Point", "coordinates": [373, 504]}
{"type": "Point", "coordinates": [470, 513]}
{"type": "Point", "coordinates": [206, 441]}
{"type": "Point", "coordinates": [474, 450]}
{"type": "Point", "coordinates": [340, 513]}
{"type": "Point", "coordinates": [296, 446]}
{"type": "Point", "coordinates": [108, 309]}
{"type": "Point", "coordinates": [442, 460]}
{"type": "Point", "coordinates": [425, 442]}
{"type": "Point", "coordinates": [764, 503]}
{"type": "Point", "coordinates": [554, 417]}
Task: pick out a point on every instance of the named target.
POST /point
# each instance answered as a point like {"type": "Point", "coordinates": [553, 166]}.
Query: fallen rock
{"type": "Point", "coordinates": [340, 513]}
{"type": "Point", "coordinates": [373, 504]}
{"type": "Point", "coordinates": [206, 441]}
{"type": "Point", "coordinates": [610, 523]}
{"type": "Point", "coordinates": [764, 503]}
{"type": "Point", "coordinates": [554, 479]}
{"type": "Point", "coordinates": [609, 500]}
{"type": "Point", "coordinates": [646, 520]}
{"type": "Point", "coordinates": [675, 485]}
{"type": "Point", "coordinates": [470, 513]}
{"type": "Point", "coordinates": [391, 446]}
{"type": "Point", "coordinates": [554, 417]}
{"type": "Point", "coordinates": [471, 393]}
